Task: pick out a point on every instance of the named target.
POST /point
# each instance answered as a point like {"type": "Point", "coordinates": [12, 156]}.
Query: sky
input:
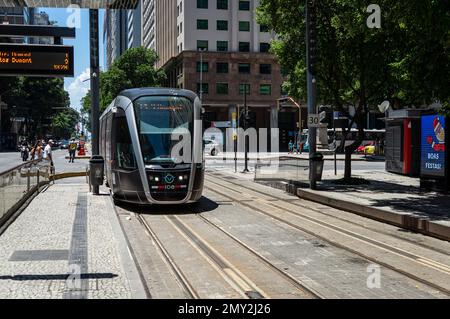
{"type": "Point", "coordinates": [75, 86]}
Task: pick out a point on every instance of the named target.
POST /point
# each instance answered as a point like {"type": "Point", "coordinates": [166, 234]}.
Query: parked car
{"type": "Point", "coordinates": [368, 149]}
{"type": "Point", "coordinates": [212, 147]}
{"type": "Point", "coordinates": [64, 144]}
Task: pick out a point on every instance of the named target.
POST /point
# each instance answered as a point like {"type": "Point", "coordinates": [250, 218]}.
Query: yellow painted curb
{"type": "Point", "coordinates": [68, 175]}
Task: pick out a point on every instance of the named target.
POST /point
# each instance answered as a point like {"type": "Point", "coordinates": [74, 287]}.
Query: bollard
{"type": "Point", "coordinates": [28, 180]}
{"type": "Point", "coordinates": [37, 179]}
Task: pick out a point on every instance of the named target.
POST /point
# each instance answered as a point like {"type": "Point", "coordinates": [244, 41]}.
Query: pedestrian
{"type": "Point", "coordinates": [24, 151]}
{"type": "Point", "coordinates": [291, 147]}
{"type": "Point", "coordinates": [72, 150]}
{"type": "Point", "coordinates": [48, 153]}
{"type": "Point", "coordinates": [299, 147]}
{"type": "Point", "coordinates": [36, 152]}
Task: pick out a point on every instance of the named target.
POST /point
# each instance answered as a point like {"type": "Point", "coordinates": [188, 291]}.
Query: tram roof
{"type": "Point", "coordinates": [133, 94]}
{"type": "Point", "coordinates": [91, 4]}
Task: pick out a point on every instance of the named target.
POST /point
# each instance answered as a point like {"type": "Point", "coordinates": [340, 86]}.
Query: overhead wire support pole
{"type": "Point", "coordinates": [311, 81]}
{"type": "Point", "coordinates": [95, 80]}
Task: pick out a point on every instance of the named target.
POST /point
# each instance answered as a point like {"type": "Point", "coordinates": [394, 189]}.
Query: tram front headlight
{"type": "Point", "coordinates": [156, 179]}
{"type": "Point", "coordinates": [180, 178]}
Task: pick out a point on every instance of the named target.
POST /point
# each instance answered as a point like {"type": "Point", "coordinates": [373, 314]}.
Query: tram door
{"type": "Point", "coordinates": [124, 165]}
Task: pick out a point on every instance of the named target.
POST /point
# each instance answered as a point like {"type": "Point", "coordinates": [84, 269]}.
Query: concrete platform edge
{"type": "Point", "coordinates": [406, 221]}
{"type": "Point", "coordinates": [129, 262]}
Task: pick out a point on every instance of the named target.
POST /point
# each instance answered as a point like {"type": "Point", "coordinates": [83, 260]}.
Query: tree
{"type": "Point", "coordinates": [36, 100]}
{"type": "Point", "coordinates": [134, 69]}
{"type": "Point", "coordinates": [359, 67]}
{"type": "Point", "coordinates": [64, 123]}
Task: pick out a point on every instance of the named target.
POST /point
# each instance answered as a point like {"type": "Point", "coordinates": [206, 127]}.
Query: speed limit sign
{"type": "Point", "coordinates": [313, 120]}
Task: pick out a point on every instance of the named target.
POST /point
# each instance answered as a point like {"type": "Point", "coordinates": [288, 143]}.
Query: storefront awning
{"type": "Point", "coordinates": [92, 4]}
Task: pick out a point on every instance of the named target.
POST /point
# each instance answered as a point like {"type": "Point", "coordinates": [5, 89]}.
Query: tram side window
{"type": "Point", "coordinates": [124, 147]}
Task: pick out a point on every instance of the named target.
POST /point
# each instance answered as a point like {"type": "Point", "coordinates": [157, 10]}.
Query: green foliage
{"type": "Point", "coordinates": [406, 61]}
{"type": "Point", "coordinates": [35, 99]}
{"type": "Point", "coordinates": [64, 123]}
{"type": "Point", "coordinates": [134, 69]}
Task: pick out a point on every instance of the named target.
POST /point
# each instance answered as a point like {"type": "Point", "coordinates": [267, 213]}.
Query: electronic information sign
{"type": "Point", "coordinates": [433, 146]}
{"type": "Point", "coordinates": [36, 60]}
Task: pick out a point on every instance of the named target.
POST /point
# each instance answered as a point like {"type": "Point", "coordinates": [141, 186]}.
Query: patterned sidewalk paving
{"type": "Point", "coordinates": [67, 244]}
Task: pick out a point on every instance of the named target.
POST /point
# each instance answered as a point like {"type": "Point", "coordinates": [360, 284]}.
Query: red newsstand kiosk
{"type": "Point", "coordinates": [402, 144]}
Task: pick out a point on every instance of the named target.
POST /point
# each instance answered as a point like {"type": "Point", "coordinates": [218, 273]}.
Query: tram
{"type": "Point", "coordinates": [140, 136]}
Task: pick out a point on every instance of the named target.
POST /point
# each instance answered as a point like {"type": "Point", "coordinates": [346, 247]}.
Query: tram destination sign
{"type": "Point", "coordinates": [36, 60]}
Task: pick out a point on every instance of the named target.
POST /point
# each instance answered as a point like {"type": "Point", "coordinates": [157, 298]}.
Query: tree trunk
{"type": "Point", "coordinates": [348, 164]}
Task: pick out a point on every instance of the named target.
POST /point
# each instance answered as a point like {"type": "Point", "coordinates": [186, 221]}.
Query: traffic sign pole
{"type": "Point", "coordinates": [311, 81]}
{"type": "Point", "coordinates": [95, 81]}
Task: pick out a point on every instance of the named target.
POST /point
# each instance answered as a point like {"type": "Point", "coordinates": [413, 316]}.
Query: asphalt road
{"type": "Point", "coordinates": [9, 160]}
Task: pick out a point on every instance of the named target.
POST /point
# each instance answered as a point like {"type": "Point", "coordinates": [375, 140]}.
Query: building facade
{"type": "Point", "coordinates": [217, 49]}
{"type": "Point", "coordinates": [122, 31]}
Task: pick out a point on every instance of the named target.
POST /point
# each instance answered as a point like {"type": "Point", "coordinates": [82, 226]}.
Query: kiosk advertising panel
{"type": "Point", "coordinates": [433, 157]}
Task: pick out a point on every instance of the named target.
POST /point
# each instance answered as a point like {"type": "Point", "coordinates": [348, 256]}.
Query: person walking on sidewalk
{"type": "Point", "coordinates": [291, 147]}
{"type": "Point", "coordinates": [36, 152]}
{"type": "Point", "coordinates": [48, 155]}
{"type": "Point", "coordinates": [72, 150]}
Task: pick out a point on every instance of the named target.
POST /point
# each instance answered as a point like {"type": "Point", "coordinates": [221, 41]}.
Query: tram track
{"type": "Point", "coordinates": [237, 280]}
{"type": "Point", "coordinates": [190, 291]}
{"type": "Point", "coordinates": [309, 207]}
{"type": "Point", "coordinates": [257, 205]}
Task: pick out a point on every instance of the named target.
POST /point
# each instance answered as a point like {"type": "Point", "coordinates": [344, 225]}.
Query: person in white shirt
{"type": "Point", "coordinates": [48, 152]}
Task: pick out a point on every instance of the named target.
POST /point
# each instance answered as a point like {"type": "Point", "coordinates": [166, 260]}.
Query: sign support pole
{"type": "Point", "coordinates": [311, 81]}
{"type": "Point", "coordinates": [95, 69]}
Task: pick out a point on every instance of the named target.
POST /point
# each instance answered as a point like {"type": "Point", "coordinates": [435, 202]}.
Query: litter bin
{"type": "Point", "coordinates": [317, 166]}
{"type": "Point", "coordinates": [96, 168]}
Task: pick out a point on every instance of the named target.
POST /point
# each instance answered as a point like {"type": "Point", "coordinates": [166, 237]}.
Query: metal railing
{"type": "Point", "coordinates": [19, 183]}
{"type": "Point", "coordinates": [287, 169]}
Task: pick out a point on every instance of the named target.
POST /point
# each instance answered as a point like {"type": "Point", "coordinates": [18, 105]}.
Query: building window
{"type": "Point", "coordinates": [243, 88]}
{"type": "Point", "coordinates": [265, 89]}
{"type": "Point", "coordinates": [244, 5]}
{"type": "Point", "coordinates": [222, 25]}
{"type": "Point", "coordinates": [222, 4]}
{"type": "Point", "coordinates": [222, 46]}
{"type": "Point", "coordinates": [205, 88]}
{"type": "Point", "coordinates": [263, 28]}
{"type": "Point", "coordinates": [202, 44]}
{"type": "Point", "coordinates": [222, 67]}
{"type": "Point", "coordinates": [264, 47]}
{"type": "Point", "coordinates": [244, 46]}
{"type": "Point", "coordinates": [222, 88]}
{"type": "Point", "coordinates": [181, 6]}
{"type": "Point", "coordinates": [202, 24]}
{"type": "Point", "coordinates": [265, 68]}
{"type": "Point", "coordinates": [181, 27]}
{"type": "Point", "coordinates": [244, 26]}
{"type": "Point", "coordinates": [202, 67]}
{"type": "Point", "coordinates": [244, 68]}
{"type": "Point", "coordinates": [202, 4]}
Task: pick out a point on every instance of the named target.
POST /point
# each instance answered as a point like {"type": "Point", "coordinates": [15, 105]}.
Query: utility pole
{"type": "Point", "coordinates": [95, 70]}
{"type": "Point", "coordinates": [311, 80]}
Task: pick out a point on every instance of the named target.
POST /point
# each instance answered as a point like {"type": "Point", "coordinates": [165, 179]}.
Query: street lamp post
{"type": "Point", "coordinates": [311, 81]}
{"type": "Point", "coordinates": [246, 170]}
{"type": "Point", "coordinates": [201, 73]}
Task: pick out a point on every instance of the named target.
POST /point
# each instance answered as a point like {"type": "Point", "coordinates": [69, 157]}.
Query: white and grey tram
{"type": "Point", "coordinates": [138, 135]}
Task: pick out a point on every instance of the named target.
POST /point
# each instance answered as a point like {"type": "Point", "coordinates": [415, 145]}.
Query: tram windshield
{"type": "Point", "coordinates": [157, 118]}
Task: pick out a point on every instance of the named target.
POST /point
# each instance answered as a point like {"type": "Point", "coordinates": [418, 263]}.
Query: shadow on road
{"type": "Point", "coordinates": [202, 206]}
